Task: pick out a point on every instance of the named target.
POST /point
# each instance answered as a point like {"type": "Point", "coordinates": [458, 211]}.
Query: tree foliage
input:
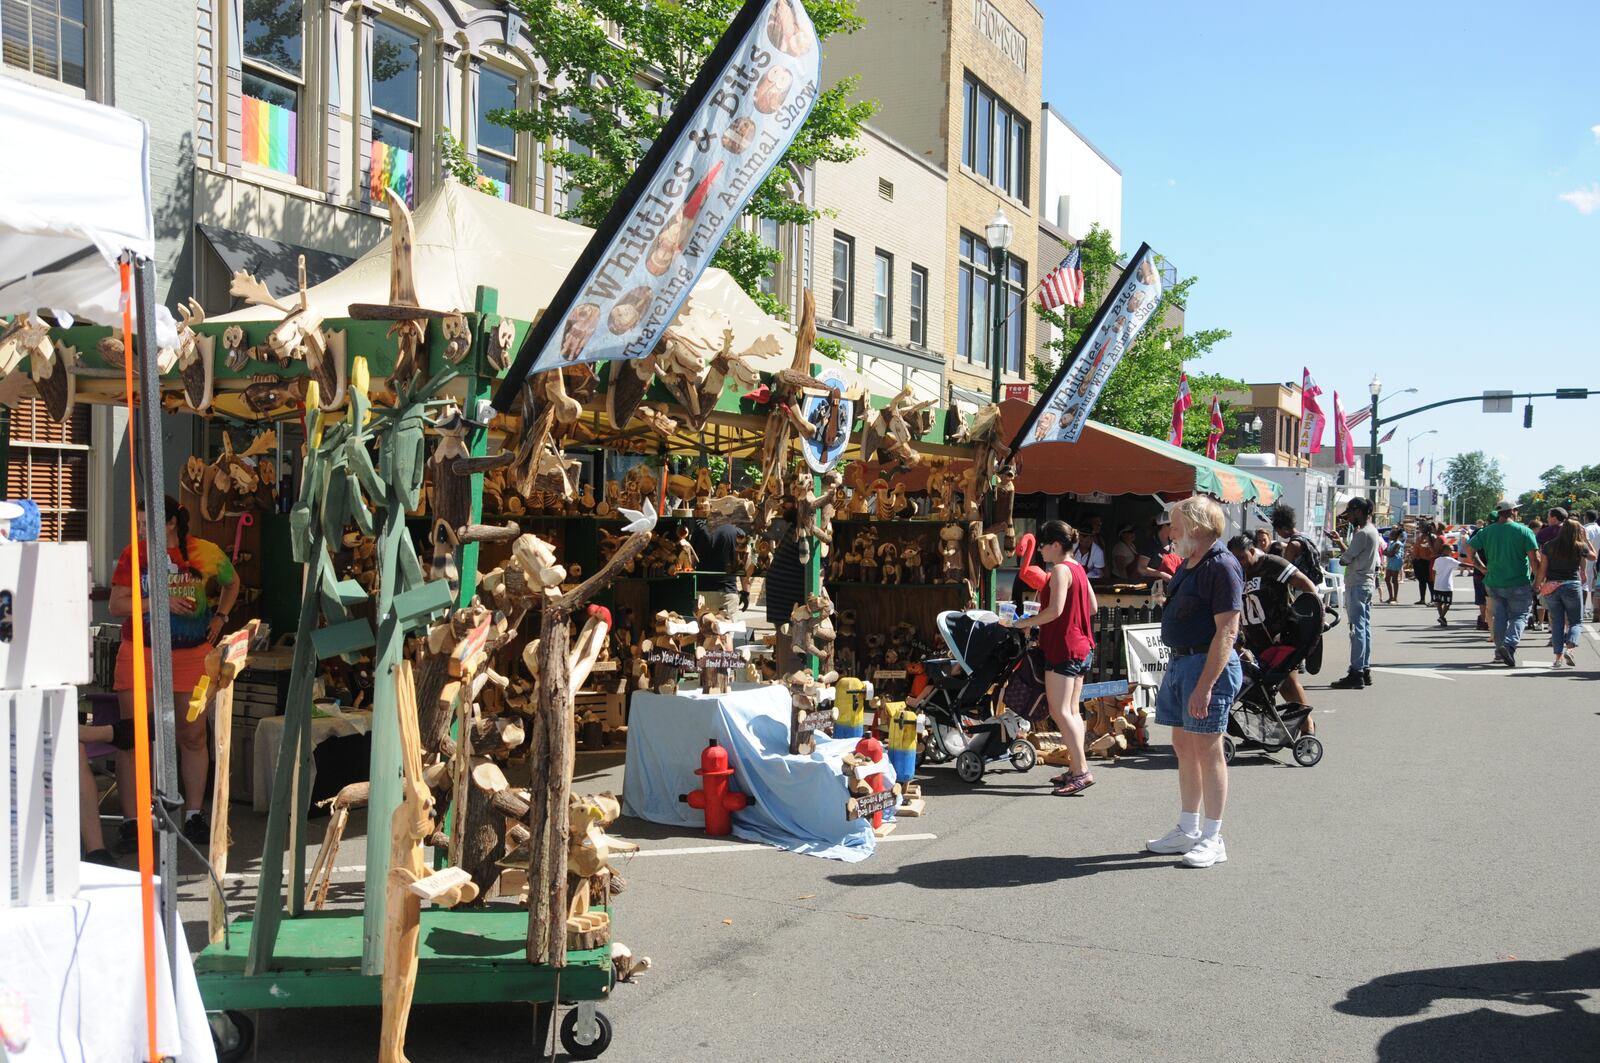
{"type": "Point", "coordinates": [621, 66]}
{"type": "Point", "coordinates": [1476, 481]}
{"type": "Point", "coordinates": [1140, 393]}
{"type": "Point", "coordinates": [1574, 490]}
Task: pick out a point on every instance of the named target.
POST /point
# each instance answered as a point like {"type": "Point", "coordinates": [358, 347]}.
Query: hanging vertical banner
{"type": "Point", "coordinates": [726, 135]}
{"type": "Point", "coordinates": [1062, 412]}
{"type": "Point", "coordinates": [1311, 416]}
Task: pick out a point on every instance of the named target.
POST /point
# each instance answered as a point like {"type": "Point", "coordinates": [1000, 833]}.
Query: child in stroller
{"type": "Point", "coordinates": [964, 692]}
{"type": "Point", "coordinates": [1257, 721]}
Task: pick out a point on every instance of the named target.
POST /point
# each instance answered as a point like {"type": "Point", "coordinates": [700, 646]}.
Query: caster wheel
{"type": "Point", "coordinates": [969, 766]}
{"type": "Point", "coordinates": [1023, 755]}
{"type": "Point", "coordinates": [232, 1034]}
{"type": "Point", "coordinates": [577, 1049]}
{"type": "Point", "coordinates": [1227, 750]}
{"type": "Point", "coordinates": [1307, 751]}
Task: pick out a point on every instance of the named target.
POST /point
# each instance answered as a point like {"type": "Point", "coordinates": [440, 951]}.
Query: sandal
{"type": "Point", "coordinates": [1075, 785]}
{"type": "Point", "coordinates": [1062, 779]}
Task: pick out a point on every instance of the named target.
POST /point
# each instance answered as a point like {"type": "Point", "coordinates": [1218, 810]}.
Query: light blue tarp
{"type": "Point", "coordinates": [799, 800]}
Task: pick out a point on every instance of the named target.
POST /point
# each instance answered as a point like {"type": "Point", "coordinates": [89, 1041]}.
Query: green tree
{"type": "Point", "coordinates": [1476, 481]}
{"type": "Point", "coordinates": [621, 66]}
{"type": "Point", "coordinates": [1575, 490]}
{"type": "Point", "coordinates": [1142, 388]}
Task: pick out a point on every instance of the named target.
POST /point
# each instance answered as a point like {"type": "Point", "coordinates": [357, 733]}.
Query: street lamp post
{"type": "Point", "coordinates": [998, 232]}
{"type": "Point", "coordinates": [1374, 465]}
{"type": "Point", "coordinates": [1413, 439]}
{"type": "Point", "coordinates": [1250, 433]}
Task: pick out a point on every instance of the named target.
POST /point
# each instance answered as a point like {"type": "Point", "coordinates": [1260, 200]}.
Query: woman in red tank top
{"type": "Point", "coordinates": [1067, 641]}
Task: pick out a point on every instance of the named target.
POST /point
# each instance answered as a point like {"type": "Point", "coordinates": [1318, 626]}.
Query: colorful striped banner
{"type": "Point", "coordinates": [270, 136]}
{"type": "Point", "coordinates": [392, 168]}
{"type": "Point", "coordinates": [494, 187]}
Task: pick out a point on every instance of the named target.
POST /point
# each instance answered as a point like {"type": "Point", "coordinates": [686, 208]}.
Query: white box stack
{"type": "Point", "coordinates": [39, 800]}
{"type": "Point", "coordinates": [44, 656]}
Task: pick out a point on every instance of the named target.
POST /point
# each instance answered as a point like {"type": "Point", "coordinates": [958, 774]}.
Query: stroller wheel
{"type": "Point", "coordinates": [969, 766]}
{"type": "Point", "coordinates": [1228, 750]}
{"type": "Point", "coordinates": [1023, 755]}
{"type": "Point", "coordinates": [1307, 751]}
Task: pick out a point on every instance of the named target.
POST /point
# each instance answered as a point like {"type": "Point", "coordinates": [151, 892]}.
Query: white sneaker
{"type": "Point", "coordinates": [1173, 842]}
{"type": "Point", "coordinates": [1206, 851]}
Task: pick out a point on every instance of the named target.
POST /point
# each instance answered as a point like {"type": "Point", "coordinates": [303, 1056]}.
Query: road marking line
{"type": "Point", "coordinates": [757, 847]}
{"type": "Point", "coordinates": [1417, 670]}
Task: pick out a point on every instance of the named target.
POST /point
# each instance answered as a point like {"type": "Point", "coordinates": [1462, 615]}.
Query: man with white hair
{"type": "Point", "coordinates": [1200, 625]}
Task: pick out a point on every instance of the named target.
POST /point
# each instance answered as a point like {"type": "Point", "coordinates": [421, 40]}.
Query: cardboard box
{"type": "Point", "coordinates": [39, 796]}
{"type": "Point", "coordinates": [44, 615]}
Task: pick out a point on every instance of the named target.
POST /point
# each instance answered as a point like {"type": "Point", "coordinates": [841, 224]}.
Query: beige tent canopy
{"type": "Point", "coordinates": [465, 238]}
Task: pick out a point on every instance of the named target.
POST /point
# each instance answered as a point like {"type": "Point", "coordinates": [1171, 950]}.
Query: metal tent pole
{"type": "Point", "coordinates": [151, 474]}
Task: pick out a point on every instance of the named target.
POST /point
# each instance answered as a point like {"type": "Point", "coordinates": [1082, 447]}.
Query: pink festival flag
{"type": "Point", "coordinates": [1180, 406]}
{"type": "Point", "coordinates": [1218, 426]}
{"type": "Point", "coordinates": [1311, 416]}
{"type": "Point", "coordinates": [1344, 449]}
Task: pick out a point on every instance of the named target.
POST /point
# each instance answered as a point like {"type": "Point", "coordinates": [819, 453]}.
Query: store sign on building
{"type": "Point", "coordinates": [1023, 392]}
{"type": "Point", "coordinates": [987, 20]}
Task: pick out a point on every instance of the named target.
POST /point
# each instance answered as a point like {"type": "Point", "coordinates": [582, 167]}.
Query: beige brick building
{"type": "Point", "coordinates": [959, 84]}
{"type": "Point", "coordinates": [879, 268]}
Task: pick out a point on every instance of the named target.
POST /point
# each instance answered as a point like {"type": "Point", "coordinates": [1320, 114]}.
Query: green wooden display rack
{"type": "Point", "coordinates": [463, 955]}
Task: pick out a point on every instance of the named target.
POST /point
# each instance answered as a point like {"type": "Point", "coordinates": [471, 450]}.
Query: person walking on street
{"type": "Point", "coordinates": [1591, 582]}
{"type": "Point", "coordinates": [1066, 639]}
{"type": "Point", "coordinates": [1444, 592]}
{"type": "Point", "coordinates": [1270, 585]}
{"type": "Point", "coordinates": [1423, 551]}
{"type": "Point", "coordinates": [1512, 562]}
{"type": "Point", "coordinates": [1565, 556]}
{"type": "Point", "coordinates": [1360, 563]}
{"type": "Point", "coordinates": [1394, 562]}
{"type": "Point", "coordinates": [1200, 625]}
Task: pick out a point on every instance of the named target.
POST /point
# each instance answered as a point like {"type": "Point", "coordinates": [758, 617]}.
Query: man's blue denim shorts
{"type": "Point", "coordinates": [1172, 702]}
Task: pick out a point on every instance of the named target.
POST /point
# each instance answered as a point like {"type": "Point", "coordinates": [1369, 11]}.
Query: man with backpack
{"type": "Point", "coordinates": [1303, 554]}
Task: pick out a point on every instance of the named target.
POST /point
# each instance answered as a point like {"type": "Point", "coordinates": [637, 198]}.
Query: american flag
{"type": "Point", "coordinates": [1180, 406]}
{"type": "Point", "coordinates": [1387, 436]}
{"type": "Point", "coordinates": [1358, 417]}
{"type": "Point", "coordinates": [1063, 286]}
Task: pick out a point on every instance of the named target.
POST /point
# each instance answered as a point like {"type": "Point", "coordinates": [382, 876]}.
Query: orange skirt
{"type": "Point", "coordinates": [188, 665]}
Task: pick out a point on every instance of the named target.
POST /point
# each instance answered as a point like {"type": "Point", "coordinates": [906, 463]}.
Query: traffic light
{"type": "Point", "coordinates": [1527, 416]}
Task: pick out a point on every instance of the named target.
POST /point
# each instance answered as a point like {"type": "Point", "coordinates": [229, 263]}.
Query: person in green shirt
{"type": "Point", "coordinates": [1509, 557]}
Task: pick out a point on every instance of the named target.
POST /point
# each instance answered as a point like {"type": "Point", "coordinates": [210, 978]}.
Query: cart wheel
{"type": "Point", "coordinates": [969, 766]}
{"type": "Point", "coordinates": [232, 1034]}
{"type": "Point", "coordinates": [577, 1049]}
{"type": "Point", "coordinates": [1227, 750]}
{"type": "Point", "coordinates": [1307, 751]}
{"type": "Point", "coordinates": [1023, 755]}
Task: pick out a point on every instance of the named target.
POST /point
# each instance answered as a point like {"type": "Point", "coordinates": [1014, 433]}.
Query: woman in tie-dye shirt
{"type": "Point", "coordinates": [193, 565]}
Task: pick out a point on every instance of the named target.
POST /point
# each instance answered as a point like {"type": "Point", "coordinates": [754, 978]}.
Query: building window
{"type": "Point", "coordinates": [883, 293]}
{"type": "Point", "coordinates": [497, 144]}
{"type": "Point", "coordinates": [767, 231]}
{"type": "Point", "coordinates": [396, 111]}
{"type": "Point", "coordinates": [972, 301]}
{"type": "Point", "coordinates": [1016, 320]}
{"type": "Point", "coordinates": [994, 140]}
{"type": "Point", "coordinates": [273, 84]}
{"type": "Point", "coordinates": [45, 37]}
{"type": "Point", "coordinates": [919, 306]}
{"type": "Point", "coordinates": [844, 278]}
{"type": "Point", "coordinates": [48, 461]}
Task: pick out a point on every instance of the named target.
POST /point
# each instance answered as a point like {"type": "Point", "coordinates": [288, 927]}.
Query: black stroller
{"type": "Point", "coordinates": [963, 695]}
{"type": "Point", "coordinates": [1257, 721]}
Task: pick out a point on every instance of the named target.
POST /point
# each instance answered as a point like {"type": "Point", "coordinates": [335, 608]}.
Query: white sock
{"type": "Point", "coordinates": [1189, 822]}
{"type": "Point", "coordinates": [1212, 828]}
{"type": "Point", "coordinates": [193, 812]}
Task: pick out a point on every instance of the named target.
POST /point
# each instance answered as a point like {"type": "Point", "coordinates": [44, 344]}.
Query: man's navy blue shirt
{"type": "Point", "coordinates": [1196, 595]}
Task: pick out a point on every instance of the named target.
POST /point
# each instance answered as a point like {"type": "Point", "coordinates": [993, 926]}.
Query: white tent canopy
{"type": "Point", "coordinates": [464, 238]}
{"type": "Point", "coordinates": [74, 194]}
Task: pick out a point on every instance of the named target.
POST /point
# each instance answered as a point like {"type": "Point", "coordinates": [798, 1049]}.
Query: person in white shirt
{"type": "Point", "coordinates": [1591, 582]}
{"type": "Point", "coordinates": [1089, 554]}
{"type": "Point", "coordinates": [1444, 568]}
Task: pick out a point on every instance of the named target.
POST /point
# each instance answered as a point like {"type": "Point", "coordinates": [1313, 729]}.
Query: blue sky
{"type": "Point", "coordinates": [1367, 188]}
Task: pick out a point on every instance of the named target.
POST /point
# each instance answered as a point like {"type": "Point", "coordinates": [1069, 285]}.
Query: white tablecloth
{"type": "Point", "coordinates": [269, 741]}
{"type": "Point", "coordinates": [80, 966]}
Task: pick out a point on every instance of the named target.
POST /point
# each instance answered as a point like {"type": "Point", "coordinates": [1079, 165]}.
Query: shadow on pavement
{"type": "Point", "coordinates": [1001, 872]}
{"type": "Point", "coordinates": [1565, 1030]}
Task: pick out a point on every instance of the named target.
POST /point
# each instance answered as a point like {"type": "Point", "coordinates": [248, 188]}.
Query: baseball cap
{"type": "Point", "coordinates": [1163, 518]}
{"type": "Point", "coordinates": [1505, 505]}
{"type": "Point", "coordinates": [1358, 503]}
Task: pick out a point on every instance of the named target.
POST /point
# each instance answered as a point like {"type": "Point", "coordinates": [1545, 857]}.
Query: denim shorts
{"type": "Point", "coordinates": [1172, 702]}
{"type": "Point", "coordinates": [1074, 666]}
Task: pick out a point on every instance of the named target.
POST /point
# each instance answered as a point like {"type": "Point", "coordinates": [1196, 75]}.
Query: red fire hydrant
{"type": "Point", "coordinates": [872, 749]}
{"type": "Point", "coordinates": [714, 798]}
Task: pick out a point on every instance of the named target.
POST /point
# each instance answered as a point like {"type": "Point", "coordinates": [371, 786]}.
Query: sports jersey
{"type": "Point", "coordinates": [1266, 600]}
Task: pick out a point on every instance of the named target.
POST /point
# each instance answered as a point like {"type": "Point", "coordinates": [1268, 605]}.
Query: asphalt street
{"type": "Point", "coordinates": [1425, 893]}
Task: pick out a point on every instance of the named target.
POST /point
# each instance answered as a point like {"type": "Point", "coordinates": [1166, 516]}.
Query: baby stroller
{"type": "Point", "coordinates": [1257, 721]}
{"type": "Point", "coordinates": [964, 691]}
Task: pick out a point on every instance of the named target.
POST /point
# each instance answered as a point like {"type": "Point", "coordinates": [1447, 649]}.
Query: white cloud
{"type": "Point", "coordinates": [1595, 129]}
{"type": "Point", "coordinates": [1172, 182]}
{"type": "Point", "coordinates": [1587, 200]}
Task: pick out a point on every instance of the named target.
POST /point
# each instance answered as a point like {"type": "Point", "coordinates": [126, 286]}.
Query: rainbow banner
{"type": "Point", "coordinates": [494, 187]}
{"type": "Point", "coordinates": [270, 136]}
{"type": "Point", "coordinates": [392, 168]}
